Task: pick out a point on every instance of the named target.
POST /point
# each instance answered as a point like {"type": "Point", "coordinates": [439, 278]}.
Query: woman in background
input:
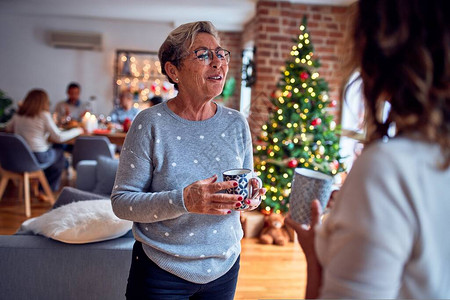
{"type": "Point", "coordinates": [125, 109]}
{"type": "Point", "coordinates": [387, 235]}
{"type": "Point", "coordinates": [35, 124]}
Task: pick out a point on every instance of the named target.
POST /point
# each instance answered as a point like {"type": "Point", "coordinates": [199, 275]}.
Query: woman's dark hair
{"type": "Point", "coordinates": [401, 49]}
{"type": "Point", "coordinates": [35, 102]}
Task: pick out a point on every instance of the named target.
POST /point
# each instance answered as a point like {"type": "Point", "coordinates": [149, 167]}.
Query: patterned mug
{"type": "Point", "coordinates": [308, 185]}
{"type": "Point", "coordinates": [244, 188]}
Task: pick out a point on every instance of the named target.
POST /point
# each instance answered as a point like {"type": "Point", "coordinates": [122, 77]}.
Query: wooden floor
{"type": "Point", "coordinates": [267, 271]}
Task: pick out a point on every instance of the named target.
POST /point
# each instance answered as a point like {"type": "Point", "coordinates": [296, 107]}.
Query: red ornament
{"type": "Point", "coordinates": [304, 75]}
{"type": "Point", "coordinates": [316, 122]}
{"type": "Point", "coordinates": [335, 164]}
{"type": "Point", "coordinates": [292, 163]}
{"type": "Point", "coordinates": [333, 103]}
{"type": "Point", "coordinates": [289, 95]}
{"type": "Point", "coordinates": [126, 124]}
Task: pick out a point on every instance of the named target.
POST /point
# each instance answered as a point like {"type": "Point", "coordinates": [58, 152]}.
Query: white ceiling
{"type": "Point", "coordinates": [227, 15]}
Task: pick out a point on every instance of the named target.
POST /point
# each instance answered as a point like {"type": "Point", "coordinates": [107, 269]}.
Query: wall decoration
{"type": "Point", "coordinates": [140, 73]}
{"type": "Point", "coordinates": [248, 67]}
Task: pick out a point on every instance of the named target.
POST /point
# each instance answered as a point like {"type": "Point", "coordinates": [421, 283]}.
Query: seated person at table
{"type": "Point", "coordinates": [125, 110]}
{"type": "Point", "coordinates": [35, 124]}
{"type": "Point", "coordinates": [71, 109]}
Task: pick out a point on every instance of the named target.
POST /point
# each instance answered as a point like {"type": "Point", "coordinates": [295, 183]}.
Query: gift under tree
{"type": "Point", "coordinates": [300, 131]}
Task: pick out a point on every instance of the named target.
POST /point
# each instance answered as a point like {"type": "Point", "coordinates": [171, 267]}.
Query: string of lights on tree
{"type": "Point", "coordinates": [300, 132]}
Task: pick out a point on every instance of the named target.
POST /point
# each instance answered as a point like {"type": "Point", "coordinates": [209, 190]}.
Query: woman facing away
{"type": "Point", "coordinates": [35, 124]}
{"type": "Point", "coordinates": [387, 236]}
{"type": "Point", "coordinates": [187, 233]}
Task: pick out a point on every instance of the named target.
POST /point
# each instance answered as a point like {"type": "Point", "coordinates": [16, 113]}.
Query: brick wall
{"type": "Point", "coordinates": [232, 42]}
{"type": "Point", "coordinates": [273, 28]}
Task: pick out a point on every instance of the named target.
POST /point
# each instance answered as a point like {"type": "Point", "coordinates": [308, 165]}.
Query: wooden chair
{"type": "Point", "coordinates": [18, 162]}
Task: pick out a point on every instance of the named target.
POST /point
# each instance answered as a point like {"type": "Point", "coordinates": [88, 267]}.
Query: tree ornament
{"type": "Point", "coordinates": [316, 121]}
{"type": "Point", "coordinates": [333, 103]}
{"type": "Point", "coordinates": [334, 165]}
{"type": "Point", "coordinates": [292, 163]}
{"type": "Point", "coordinates": [278, 93]}
{"type": "Point", "coordinates": [290, 146]}
{"type": "Point", "coordinates": [321, 150]}
{"type": "Point", "coordinates": [309, 137]}
{"type": "Point", "coordinates": [304, 75]}
{"type": "Point", "coordinates": [332, 125]}
{"type": "Point", "coordinates": [289, 95]}
{"type": "Point", "coordinates": [153, 87]}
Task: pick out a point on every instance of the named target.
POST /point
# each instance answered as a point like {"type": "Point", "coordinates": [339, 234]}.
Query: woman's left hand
{"type": "Point", "coordinates": [257, 192]}
{"type": "Point", "coordinates": [306, 233]}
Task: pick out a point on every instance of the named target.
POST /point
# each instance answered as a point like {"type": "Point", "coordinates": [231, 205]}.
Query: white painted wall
{"type": "Point", "coordinates": [27, 61]}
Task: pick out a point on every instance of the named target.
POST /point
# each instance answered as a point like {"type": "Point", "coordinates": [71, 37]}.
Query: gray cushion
{"type": "Point", "coordinates": [105, 175]}
{"type": "Point", "coordinates": [70, 194]}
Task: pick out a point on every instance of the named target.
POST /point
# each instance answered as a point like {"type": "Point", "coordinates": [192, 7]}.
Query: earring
{"type": "Point", "coordinates": [176, 79]}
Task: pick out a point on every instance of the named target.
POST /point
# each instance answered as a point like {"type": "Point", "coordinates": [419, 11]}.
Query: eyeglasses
{"type": "Point", "coordinates": [205, 55]}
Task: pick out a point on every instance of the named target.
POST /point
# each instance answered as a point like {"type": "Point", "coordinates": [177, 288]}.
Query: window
{"type": "Point", "coordinates": [352, 121]}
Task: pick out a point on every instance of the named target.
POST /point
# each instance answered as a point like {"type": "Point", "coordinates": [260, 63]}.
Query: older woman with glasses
{"type": "Point", "coordinates": [187, 231]}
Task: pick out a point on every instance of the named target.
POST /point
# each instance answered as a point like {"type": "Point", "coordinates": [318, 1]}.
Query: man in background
{"type": "Point", "coordinates": [71, 109]}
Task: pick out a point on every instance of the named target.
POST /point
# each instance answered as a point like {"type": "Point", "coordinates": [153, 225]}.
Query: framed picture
{"type": "Point", "coordinates": [139, 72]}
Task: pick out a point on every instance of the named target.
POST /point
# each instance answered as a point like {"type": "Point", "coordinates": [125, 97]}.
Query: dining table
{"type": "Point", "coordinates": [115, 137]}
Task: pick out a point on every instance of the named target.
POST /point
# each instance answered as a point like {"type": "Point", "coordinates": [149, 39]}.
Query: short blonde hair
{"type": "Point", "coordinates": [177, 44]}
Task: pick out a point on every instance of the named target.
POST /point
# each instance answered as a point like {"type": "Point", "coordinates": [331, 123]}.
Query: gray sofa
{"type": "Point", "coordinates": [36, 267]}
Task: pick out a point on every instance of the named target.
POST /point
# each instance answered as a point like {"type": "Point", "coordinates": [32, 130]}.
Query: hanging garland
{"type": "Point", "coordinates": [249, 73]}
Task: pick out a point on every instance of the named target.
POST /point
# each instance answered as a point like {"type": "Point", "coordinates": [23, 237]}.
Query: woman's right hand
{"type": "Point", "coordinates": [306, 236]}
{"type": "Point", "coordinates": [202, 197]}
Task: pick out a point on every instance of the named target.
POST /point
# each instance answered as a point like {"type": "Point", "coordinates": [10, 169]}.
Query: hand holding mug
{"type": "Point", "coordinates": [203, 197]}
{"type": "Point", "coordinates": [249, 187]}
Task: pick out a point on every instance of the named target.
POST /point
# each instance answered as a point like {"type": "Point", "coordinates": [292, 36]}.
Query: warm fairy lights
{"type": "Point", "coordinates": [141, 75]}
{"type": "Point", "coordinates": [295, 134]}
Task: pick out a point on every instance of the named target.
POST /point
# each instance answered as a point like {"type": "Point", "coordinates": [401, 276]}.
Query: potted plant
{"type": "Point", "coordinates": [6, 109]}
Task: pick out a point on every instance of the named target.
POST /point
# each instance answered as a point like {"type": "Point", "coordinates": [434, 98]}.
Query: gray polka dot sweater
{"type": "Point", "coordinates": [163, 154]}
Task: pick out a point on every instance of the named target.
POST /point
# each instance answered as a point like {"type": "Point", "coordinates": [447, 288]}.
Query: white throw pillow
{"type": "Point", "coordinates": [80, 222]}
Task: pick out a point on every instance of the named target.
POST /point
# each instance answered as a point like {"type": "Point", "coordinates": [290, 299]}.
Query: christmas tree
{"type": "Point", "coordinates": [300, 132]}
